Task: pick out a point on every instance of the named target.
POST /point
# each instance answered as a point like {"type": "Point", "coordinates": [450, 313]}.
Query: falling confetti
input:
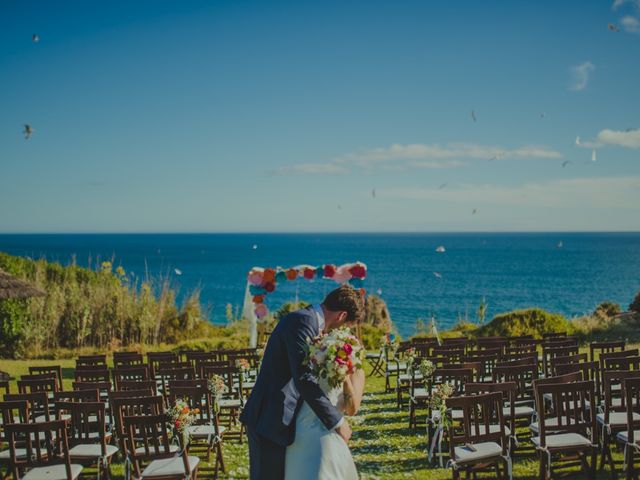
{"type": "Point", "coordinates": [442, 186]}
{"type": "Point", "coordinates": [437, 274]}
{"type": "Point", "coordinates": [373, 193]}
{"type": "Point", "coordinates": [28, 131]}
{"type": "Point", "coordinates": [473, 116]}
{"type": "Point", "coordinates": [35, 38]}
{"type": "Point", "coordinates": [475, 210]}
{"type": "Point", "coordinates": [542, 115]}
{"type": "Point", "coordinates": [594, 156]}
{"type": "Point", "coordinates": [440, 249]}
{"type": "Point", "coordinates": [613, 27]}
{"type": "Point", "coordinates": [566, 162]}
{"type": "Point", "coordinates": [178, 271]}
{"type": "Point", "coordinates": [560, 244]}
{"type": "Point", "coordinates": [379, 292]}
{"type": "Point", "coordinates": [255, 247]}
{"type": "Point", "coordinates": [578, 140]}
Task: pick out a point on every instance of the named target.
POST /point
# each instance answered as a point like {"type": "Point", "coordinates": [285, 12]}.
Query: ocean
{"type": "Point", "coordinates": [567, 273]}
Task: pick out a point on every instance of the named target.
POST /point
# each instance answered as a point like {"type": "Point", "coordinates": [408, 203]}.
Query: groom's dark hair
{"type": "Point", "coordinates": [346, 299]}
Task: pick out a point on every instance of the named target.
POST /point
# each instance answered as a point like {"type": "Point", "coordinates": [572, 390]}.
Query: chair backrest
{"type": "Point", "coordinates": [575, 358]}
{"type": "Point", "coordinates": [196, 397]}
{"type": "Point", "coordinates": [202, 365]}
{"type": "Point", "coordinates": [523, 375]}
{"type": "Point", "coordinates": [133, 374]}
{"type": "Point", "coordinates": [514, 350]}
{"type": "Point", "coordinates": [103, 387]}
{"type": "Point", "coordinates": [147, 439]}
{"type": "Point", "coordinates": [91, 361]}
{"type": "Point", "coordinates": [622, 363]}
{"type": "Point", "coordinates": [155, 359]}
{"type": "Point", "coordinates": [88, 395]}
{"type": "Point", "coordinates": [631, 388]}
{"type": "Point", "coordinates": [570, 407]}
{"type": "Point", "coordinates": [549, 352]}
{"type": "Point", "coordinates": [518, 359]}
{"type": "Point", "coordinates": [167, 374]}
{"type": "Point", "coordinates": [127, 359]}
{"type": "Point", "coordinates": [486, 358]}
{"type": "Point", "coordinates": [48, 369]}
{"type": "Point", "coordinates": [554, 335]}
{"type": "Point", "coordinates": [232, 377]}
{"type": "Point", "coordinates": [41, 442]}
{"type": "Point", "coordinates": [509, 391]}
{"type": "Point", "coordinates": [6, 386]}
{"type": "Point", "coordinates": [589, 371]}
{"type": "Point", "coordinates": [609, 379]}
{"type": "Point", "coordinates": [95, 373]}
{"type": "Point", "coordinates": [87, 422]}
{"type": "Point", "coordinates": [452, 352]}
{"type": "Point", "coordinates": [457, 377]}
{"type": "Point", "coordinates": [480, 412]}
{"type": "Point", "coordinates": [122, 406]}
{"type": "Point", "coordinates": [38, 403]}
{"type": "Point", "coordinates": [30, 385]}
{"type": "Point", "coordinates": [14, 411]}
{"type": "Point", "coordinates": [139, 385]}
{"type": "Point", "coordinates": [605, 347]}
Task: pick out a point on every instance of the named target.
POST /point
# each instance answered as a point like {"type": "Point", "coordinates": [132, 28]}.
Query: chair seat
{"type": "Point", "coordinates": [405, 377]}
{"type": "Point", "coordinates": [204, 431]}
{"type": "Point", "coordinates": [167, 467]}
{"type": "Point", "coordinates": [482, 451]}
{"type": "Point", "coordinates": [550, 423]}
{"type": "Point", "coordinates": [91, 450]}
{"type": "Point", "coordinates": [624, 438]}
{"type": "Point", "coordinates": [455, 415]}
{"type": "Point", "coordinates": [617, 419]}
{"type": "Point", "coordinates": [172, 449]}
{"type": "Point", "coordinates": [563, 440]}
{"type": "Point", "coordinates": [519, 412]}
{"type": "Point", "coordinates": [492, 429]}
{"type": "Point", "coordinates": [373, 355]}
{"type": "Point", "coordinates": [420, 394]}
{"type": "Point", "coordinates": [230, 403]}
{"type": "Point", "coordinates": [394, 367]}
{"type": "Point", "coordinates": [53, 472]}
{"type": "Point", "coordinates": [5, 455]}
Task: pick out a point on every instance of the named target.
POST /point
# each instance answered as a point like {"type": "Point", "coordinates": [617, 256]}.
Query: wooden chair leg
{"type": "Point", "coordinates": [543, 466]}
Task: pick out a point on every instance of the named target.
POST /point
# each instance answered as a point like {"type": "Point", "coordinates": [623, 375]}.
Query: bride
{"type": "Point", "coordinates": [318, 453]}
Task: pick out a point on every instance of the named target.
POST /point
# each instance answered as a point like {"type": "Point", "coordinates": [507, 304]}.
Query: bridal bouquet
{"type": "Point", "coordinates": [217, 387]}
{"type": "Point", "coordinates": [334, 355]}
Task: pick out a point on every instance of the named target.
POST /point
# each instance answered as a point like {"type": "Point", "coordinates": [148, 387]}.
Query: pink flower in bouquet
{"type": "Point", "coordinates": [348, 348]}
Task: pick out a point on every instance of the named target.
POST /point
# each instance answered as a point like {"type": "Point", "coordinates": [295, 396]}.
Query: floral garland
{"type": "Point", "coordinates": [217, 387]}
{"type": "Point", "coordinates": [438, 402]}
{"type": "Point", "coordinates": [263, 281]}
{"type": "Point", "coordinates": [182, 417]}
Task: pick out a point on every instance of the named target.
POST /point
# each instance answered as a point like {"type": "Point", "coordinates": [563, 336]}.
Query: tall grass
{"type": "Point", "coordinates": [100, 308]}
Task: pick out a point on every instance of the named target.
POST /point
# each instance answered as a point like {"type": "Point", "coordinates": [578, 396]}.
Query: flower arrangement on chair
{"type": "Point", "coordinates": [217, 387]}
{"type": "Point", "coordinates": [182, 417]}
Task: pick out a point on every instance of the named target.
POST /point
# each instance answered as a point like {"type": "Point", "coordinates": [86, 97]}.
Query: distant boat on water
{"type": "Point", "coordinates": [440, 249]}
{"type": "Point", "coordinates": [560, 244]}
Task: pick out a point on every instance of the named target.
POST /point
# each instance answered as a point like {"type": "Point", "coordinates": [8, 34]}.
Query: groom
{"type": "Point", "coordinates": [284, 382]}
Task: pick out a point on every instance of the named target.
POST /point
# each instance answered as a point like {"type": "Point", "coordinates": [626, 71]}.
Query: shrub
{"type": "Point", "coordinates": [635, 305]}
{"type": "Point", "coordinates": [533, 321]}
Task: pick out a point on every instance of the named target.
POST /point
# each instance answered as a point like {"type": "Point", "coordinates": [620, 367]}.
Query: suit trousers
{"type": "Point", "coordinates": [266, 458]}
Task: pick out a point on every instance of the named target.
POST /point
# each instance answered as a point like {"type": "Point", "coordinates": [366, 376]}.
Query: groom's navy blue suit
{"type": "Point", "coordinates": [271, 409]}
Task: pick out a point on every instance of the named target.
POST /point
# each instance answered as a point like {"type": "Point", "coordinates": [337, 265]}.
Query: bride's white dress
{"type": "Point", "coordinates": [317, 453]}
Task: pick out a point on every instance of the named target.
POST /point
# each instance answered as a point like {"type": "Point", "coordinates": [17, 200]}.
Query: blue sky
{"type": "Point", "coordinates": [285, 116]}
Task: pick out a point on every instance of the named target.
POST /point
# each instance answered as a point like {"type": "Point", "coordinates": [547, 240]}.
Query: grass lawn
{"type": "Point", "coordinates": [382, 444]}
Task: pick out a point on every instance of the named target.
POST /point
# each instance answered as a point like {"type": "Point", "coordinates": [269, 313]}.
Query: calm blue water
{"type": "Point", "coordinates": [510, 270]}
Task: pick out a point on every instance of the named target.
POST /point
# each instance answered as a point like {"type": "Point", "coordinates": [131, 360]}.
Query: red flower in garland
{"type": "Point", "coordinates": [358, 271]}
{"type": "Point", "coordinates": [292, 274]}
{"type": "Point", "coordinates": [309, 273]}
{"type": "Point", "coordinates": [269, 275]}
{"type": "Point", "coordinates": [269, 286]}
{"type": "Point", "coordinates": [258, 299]}
{"type": "Point", "coordinates": [329, 271]}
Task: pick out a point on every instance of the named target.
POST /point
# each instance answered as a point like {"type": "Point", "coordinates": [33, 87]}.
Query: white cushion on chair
{"type": "Point", "coordinates": [420, 394]}
{"type": "Point", "coordinates": [203, 431]}
{"type": "Point", "coordinates": [43, 418]}
{"type": "Point", "coordinates": [563, 440]}
{"type": "Point", "coordinates": [617, 418]}
{"type": "Point", "coordinates": [622, 436]}
{"type": "Point", "coordinates": [483, 450]}
{"type": "Point", "coordinates": [230, 403]}
{"type": "Point", "coordinates": [91, 450]}
{"type": "Point", "coordinates": [492, 429]}
{"type": "Point", "coordinates": [393, 367]}
{"type": "Point", "coordinates": [20, 454]}
{"type": "Point", "coordinates": [520, 412]}
{"type": "Point", "coordinates": [172, 449]}
{"type": "Point", "coordinates": [169, 467]}
{"type": "Point", "coordinates": [53, 472]}
{"type": "Point", "coordinates": [550, 423]}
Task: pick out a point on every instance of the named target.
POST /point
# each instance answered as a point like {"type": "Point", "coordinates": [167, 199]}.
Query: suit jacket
{"type": "Point", "coordinates": [284, 383]}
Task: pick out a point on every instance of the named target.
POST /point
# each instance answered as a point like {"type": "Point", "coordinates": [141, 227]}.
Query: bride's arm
{"type": "Point", "coordinates": [352, 392]}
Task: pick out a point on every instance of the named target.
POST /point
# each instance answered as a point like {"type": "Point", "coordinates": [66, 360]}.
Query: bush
{"type": "Point", "coordinates": [635, 305]}
{"type": "Point", "coordinates": [14, 318]}
{"type": "Point", "coordinates": [371, 336]}
{"type": "Point", "coordinates": [534, 321]}
{"type": "Point", "coordinates": [607, 310]}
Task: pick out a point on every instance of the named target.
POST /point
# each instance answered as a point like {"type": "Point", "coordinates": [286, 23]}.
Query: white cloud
{"type": "Point", "coordinates": [311, 169]}
{"type": "Point", "coordinates": [607, 192]}
{"type": "Point", "coordinates": [619, 3]}
{"type": "Point", "coordinates": [426, 152]}
{"type": "Point", "coordinates": [580, 74]}
{"type": "Point", "coordinates": [630, 24]}
{"type": "Point", "coordinates": [627, 138]}
{"type": "Point", "coordinates": [399, 157]}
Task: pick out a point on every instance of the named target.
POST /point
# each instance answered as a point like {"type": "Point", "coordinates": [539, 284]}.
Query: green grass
{"type": "Point", "coordinates": [383, 446]}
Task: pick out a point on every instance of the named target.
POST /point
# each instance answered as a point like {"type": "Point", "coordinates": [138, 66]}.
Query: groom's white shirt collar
{"type": "Point", "coordinates": [320, 316]}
